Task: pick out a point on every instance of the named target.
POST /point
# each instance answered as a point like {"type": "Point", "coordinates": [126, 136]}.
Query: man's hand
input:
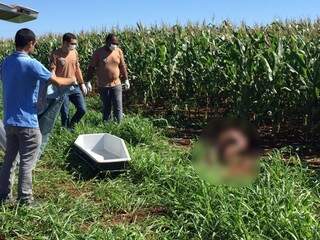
{"type": "Point", "coordinates": [126, 84]}
{"type": "Point", "coordinates": [84, 89]}
{"type": "Point", "coordinates": [89, 86]}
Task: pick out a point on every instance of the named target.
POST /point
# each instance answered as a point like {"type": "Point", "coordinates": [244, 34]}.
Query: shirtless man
{"type": "Point", "coordinates": [108, 62]}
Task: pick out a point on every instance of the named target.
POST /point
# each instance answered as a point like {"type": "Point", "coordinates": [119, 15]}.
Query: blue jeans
{"type": "Point", "coordinates": [47, 119]}
{"type": "Point", "coordinates": [111, 97]}
{"type": "Point", "coordinates": [77, 98]}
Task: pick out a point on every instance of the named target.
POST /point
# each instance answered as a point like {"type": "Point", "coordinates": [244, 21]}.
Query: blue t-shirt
{"type": "Point", "coordinates": [21, 76]}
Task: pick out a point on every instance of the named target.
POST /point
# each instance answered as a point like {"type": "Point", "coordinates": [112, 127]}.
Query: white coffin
{"type": "Point", "coordinates": [103, 148]}
{"type": "Point", "coordinates": [17, 14]}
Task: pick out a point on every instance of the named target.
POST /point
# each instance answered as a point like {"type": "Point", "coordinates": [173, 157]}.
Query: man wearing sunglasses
{"type": "Point", "coordinates": [65, 62]}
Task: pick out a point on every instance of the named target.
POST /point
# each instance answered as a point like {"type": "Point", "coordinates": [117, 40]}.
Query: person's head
{"type": "Point", "coordinates": [112, 42]}
{"type": "Point", "coordinates": [25, 40]}
{"type": "Point", "coordinates": [69, 41]}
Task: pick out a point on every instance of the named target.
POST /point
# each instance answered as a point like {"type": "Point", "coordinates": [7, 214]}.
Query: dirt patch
{"type": "Point", "coordinates": [24, 238]}
{"type": "Point", "coordinates": [133, 217]}
{"type": "Point", "coordinates": [140, 215]}
{"type": "Point", "coordinates": [85, 227]}
{"type": "Point", "coordinates": [314, 163]}
{"type": "Point", "coordinates": [73, 190]}
{"type": "Point", "coordinates": [181, 142]}
{"type": "Point", "coordinates": [43, 191]}
{"type": "Point", "coordinates": [2, 237]}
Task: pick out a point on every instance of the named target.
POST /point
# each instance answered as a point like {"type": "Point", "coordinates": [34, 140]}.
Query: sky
{"type": "Point", "coordinates": [59, 16]}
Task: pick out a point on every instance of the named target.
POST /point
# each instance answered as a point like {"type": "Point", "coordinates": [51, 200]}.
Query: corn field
{"type": "Point", "coordinates": [259, 72]}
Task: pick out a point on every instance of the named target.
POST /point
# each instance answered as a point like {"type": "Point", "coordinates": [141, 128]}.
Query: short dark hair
{"type": "Point", "coordinates": [110, 36]}
{"type": "Point", "coordinates": [23, 37]}
{"type": "Point", "coordinates": [68, 36]}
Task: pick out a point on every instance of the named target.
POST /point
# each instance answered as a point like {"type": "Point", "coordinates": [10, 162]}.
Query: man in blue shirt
{"type": "Point", "coordinates": [21, 76]}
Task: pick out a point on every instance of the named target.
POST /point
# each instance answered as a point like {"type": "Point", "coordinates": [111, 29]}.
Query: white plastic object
{"type": "Point", "coordinates": [103, 148]}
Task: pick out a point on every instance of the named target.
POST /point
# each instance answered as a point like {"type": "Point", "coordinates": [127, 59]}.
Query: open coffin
{"type": "Point", "coordinates": [105, 151]}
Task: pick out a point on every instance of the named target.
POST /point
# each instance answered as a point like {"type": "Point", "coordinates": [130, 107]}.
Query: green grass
{"type": "Point", "coordinates": [283, 203]}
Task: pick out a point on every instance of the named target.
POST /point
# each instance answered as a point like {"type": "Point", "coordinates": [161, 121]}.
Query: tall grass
{"type": "Point", "coordinates": [282, 203]}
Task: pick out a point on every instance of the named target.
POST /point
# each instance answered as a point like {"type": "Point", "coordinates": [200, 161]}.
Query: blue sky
{"type": "Point", "coordinates": [59, 16]}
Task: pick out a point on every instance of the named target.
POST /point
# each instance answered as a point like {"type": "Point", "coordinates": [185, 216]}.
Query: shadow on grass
{"type": "Point", "coordinates": [314, 179]}
{"type": "Point", "coordinates": [84, 170]}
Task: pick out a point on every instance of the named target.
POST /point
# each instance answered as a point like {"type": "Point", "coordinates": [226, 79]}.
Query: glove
{"type": "Point", "coordinates": [89, 86]}
{"type": "Point", "coordinates": [126, 85]}
{"type": "Point", "coordinates": [84, 89]}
